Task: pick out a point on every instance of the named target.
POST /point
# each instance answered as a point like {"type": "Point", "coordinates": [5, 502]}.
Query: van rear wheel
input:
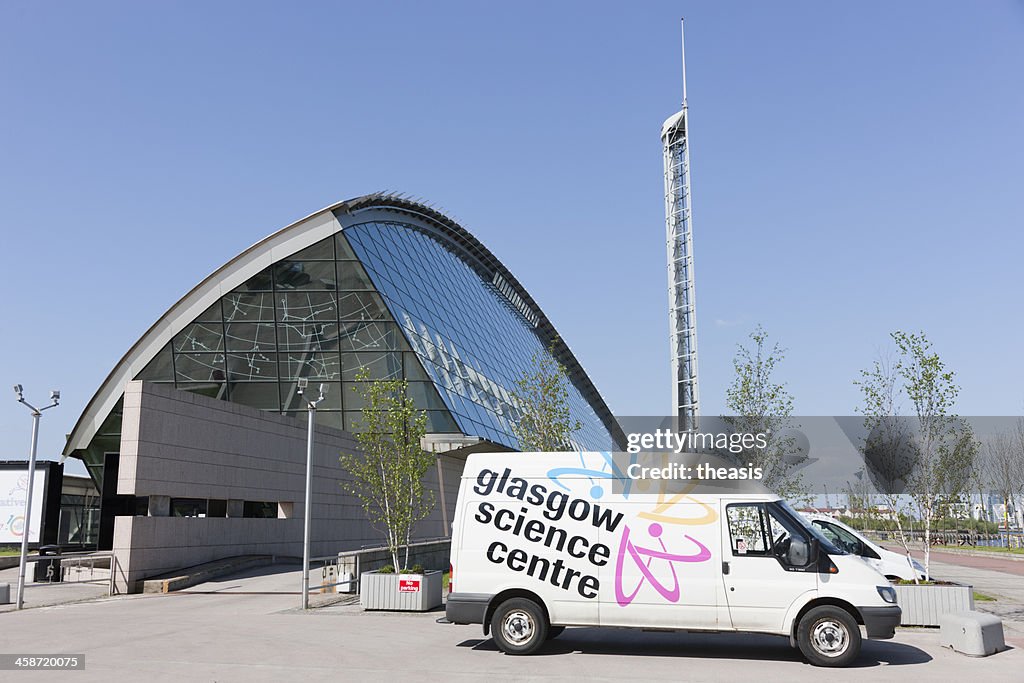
{"type": "Point", "coordinates": [519, 626]}
{"type": "Point", "coordinates": [829, 636]}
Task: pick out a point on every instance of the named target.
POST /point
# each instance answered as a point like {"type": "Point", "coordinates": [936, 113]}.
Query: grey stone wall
{"type": "Point", "coordinates": [177, 444]}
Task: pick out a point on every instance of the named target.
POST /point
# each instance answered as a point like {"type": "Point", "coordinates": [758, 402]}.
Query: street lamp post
{"type": "Point", "coordinates": [311, 407]}
{"type": "Point", "coordinates": [27, 516]}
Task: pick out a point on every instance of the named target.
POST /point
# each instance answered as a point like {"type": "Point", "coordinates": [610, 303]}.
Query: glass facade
{"type": "Point", "coordinates": [315, 315]}
{"type": "Point", "coordinates": [474, 341]}
{"type": "Point", "coordinates": [395, 298]}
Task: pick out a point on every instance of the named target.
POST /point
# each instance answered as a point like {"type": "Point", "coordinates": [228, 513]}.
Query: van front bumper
{"type": "Point", "coordinates": [881, 622]}
{"type": "Point", "coordinates": [467, 608]}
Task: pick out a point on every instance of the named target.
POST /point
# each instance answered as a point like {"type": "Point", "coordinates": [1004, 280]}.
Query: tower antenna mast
{"type": "Point", "coordinates": [675, 138]}
{"type": "Point", "coordinates": [682, 46]}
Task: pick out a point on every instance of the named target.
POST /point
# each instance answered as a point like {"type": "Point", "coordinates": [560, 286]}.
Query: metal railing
{"type": "Point", "coordinates": [331, 567]}
{"type": "Point", "coordinates": [326, 574]}
{"type": "Point", "coordinates": [84, 567]}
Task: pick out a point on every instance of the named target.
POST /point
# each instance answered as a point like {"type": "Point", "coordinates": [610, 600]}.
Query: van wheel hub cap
{"type": "Point", "coordinates": [517, 627]}
{"type": "Point", "coordinates": [829, 638]}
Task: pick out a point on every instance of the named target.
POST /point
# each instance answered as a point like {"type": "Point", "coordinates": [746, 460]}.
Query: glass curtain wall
{"type": "Point", "coordinates": [473, 340]}
{"type": "Point", "coordinates": [315, 315]}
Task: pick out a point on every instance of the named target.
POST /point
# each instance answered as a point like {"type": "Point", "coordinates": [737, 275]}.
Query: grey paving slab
{"type": "Point", "coordinates": [248, 628]}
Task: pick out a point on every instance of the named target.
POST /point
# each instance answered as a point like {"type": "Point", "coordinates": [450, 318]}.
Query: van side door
{"type": "Point", "coordinates": [759, 573]}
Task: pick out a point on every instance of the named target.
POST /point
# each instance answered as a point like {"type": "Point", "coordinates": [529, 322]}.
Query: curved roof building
{"type": "Point", "coordinates": [379, 283]}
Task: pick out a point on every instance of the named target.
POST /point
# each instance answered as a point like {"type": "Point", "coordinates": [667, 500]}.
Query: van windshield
{"type": "Point", "coordinates": [813, 531]}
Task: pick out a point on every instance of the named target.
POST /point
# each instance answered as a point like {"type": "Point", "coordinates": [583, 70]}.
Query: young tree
{"type": "Point", "coordinates": [930, 462]}
{"type": "Point", "coordinates": [860, 495]}
{"type": "Point", "coordinates": [541, 398]}
{"type": "Point", "coordinates": [758, 404]}
{"type": "Point", "coordinates": [932, 391]}
{"type": "Point", "coordinates": [1006, 467]}
{"type": "Point", "coordinates": [886, 451]}
{"type": "Point", "coordinates": [981, 479]}
{"type": "Point", "coordinates": [957, 459]}
{"type": "Point", "coordinates": [387, 478]}
{"type": "Point", "coordinates": [1018, 447]}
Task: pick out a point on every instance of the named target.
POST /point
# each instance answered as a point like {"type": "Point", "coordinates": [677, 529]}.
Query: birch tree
{"type": "Point", "coordinates": [932, 391]}
{"type": "Point", "coordinates": [541, 399]}
{"type": "Point", "coordinates": [1017, 440]}
{"type": "Point", "coordinates": [387, 477]}
{"type": "Point", "coordinates": [887, 456]}
{"type": "Point", "coordinates": [759, 404]}
{"type": "Point", "coordinates": [1006, 466]}
{"type": "Point", "coordinates": [932, 461]}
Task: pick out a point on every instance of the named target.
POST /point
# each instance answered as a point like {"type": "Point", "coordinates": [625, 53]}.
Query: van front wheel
{"type": "Point", "coordinates": [519, 626]}
{"type": "Point", "coordinates": [829, 636]}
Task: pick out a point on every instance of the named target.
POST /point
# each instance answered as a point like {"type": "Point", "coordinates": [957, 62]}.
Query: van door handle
{"type": "Point", "coordinates": [725, 567]}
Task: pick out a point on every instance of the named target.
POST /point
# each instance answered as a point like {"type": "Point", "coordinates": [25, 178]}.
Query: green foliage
{"type": "Point", "coordinates": [541, 397]}
{"type": "Point", "coordinates": [390, 569]}
{"type": "Point", "coordinates": [387, 478]}
{"type": "Point", "coordinates": [759, 404]}
{"type": "Point", "coordinates": [933, 464]}
{"type": "Point", "coordinates": [858, 523]}
{"type": "Point", "coordinates": [974, 525]}
{"type": "Point", "coordinates": [875, 523]}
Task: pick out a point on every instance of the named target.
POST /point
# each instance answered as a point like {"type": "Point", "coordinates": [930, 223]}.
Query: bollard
{"type": "Point", "coordinates": [5, 593]}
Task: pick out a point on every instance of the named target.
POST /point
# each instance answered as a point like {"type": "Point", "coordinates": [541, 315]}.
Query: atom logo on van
{"type": "Point", "coordinates": [657, 566]}
{"type": "Point", "coordinates": [643, 558]}
{"type": "Point", "coordinates": [607, 473]}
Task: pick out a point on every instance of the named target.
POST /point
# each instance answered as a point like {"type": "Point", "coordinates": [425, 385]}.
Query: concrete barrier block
{"type": "Point", "coordinates": [5, 593]}
{"type": "Point", "coordinates": [972, 633]}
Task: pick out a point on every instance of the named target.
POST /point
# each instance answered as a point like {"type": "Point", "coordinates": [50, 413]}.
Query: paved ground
{"type": "Point", "coordinates": [1008, 589]}
{"type": "Point", "coordinates": [997, 577]}
{"type": "Point", "coordinates": [248, 627]}
{"type": "Point", "coordinates": [1009, 565]}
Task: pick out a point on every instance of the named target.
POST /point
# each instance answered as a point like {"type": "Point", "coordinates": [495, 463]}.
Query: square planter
{"type": "Point", "coordinates": [402, 592]}
{"type": "Point", "coordinates": [923, 605]}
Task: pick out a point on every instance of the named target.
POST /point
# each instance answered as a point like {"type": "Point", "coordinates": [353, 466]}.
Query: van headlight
{"type": "Point", "coordinates": [888, 593]}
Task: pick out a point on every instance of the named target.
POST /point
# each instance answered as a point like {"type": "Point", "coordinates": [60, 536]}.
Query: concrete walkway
{"type": "Point", "coordinates": [248, 628]}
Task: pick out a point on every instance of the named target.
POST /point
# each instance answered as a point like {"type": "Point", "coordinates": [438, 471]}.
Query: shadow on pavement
{"type": "Point", "coordinates": [705, 646]}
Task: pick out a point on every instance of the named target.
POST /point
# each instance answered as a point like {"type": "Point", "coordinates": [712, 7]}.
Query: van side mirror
{"type": "Point", "coordinates": [800, 552]}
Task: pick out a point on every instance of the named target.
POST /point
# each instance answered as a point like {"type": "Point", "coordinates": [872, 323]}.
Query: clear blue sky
{"type": "Point", "coordinates": [856, 169]}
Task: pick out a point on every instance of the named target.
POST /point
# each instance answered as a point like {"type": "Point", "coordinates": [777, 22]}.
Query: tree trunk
{"type": "Point", "coordinates": [906, 546]}
{"type": "Point", "coordinates": [928, 542]}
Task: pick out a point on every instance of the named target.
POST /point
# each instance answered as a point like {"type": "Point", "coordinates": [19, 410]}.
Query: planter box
{"type": "Point", "coordinates": [403, 592]}
{"type": "Point", "coordinates": [923, 605]}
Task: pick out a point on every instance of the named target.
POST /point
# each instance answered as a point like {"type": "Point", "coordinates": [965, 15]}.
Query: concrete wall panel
{"type": "Point", "coordinates": [184, 445]}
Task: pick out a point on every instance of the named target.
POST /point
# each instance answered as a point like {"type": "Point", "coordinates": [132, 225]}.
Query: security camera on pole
{"type": "Point", "coordinates": [36, 414]}
{"type": "Point", "coordinates": [311, 407]}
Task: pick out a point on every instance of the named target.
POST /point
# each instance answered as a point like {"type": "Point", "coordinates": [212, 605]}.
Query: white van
{"type": "Point", "coordinates": [892, 565]}
{"type": "Point", "coordinates": [542, 541]}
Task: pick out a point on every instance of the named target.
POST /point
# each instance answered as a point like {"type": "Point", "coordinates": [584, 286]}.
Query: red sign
{"type": "Point", "coordinates": [408, 585]}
